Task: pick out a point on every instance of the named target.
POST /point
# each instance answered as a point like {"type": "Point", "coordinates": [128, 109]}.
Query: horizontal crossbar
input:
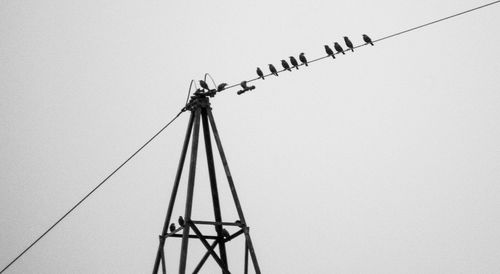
{"type": "Point", "coordinates": [218, 223]}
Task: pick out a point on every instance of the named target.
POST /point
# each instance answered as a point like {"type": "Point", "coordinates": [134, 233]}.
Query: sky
{"type": "Point", "coordinates": [385, 160]}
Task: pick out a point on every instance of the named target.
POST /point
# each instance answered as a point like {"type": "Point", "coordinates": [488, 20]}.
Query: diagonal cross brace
{"type": "Point", "coordinates": [208, 247]}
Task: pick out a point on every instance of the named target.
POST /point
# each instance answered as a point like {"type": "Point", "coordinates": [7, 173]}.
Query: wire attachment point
{"type": "Point", "coordinates": [245, 88]}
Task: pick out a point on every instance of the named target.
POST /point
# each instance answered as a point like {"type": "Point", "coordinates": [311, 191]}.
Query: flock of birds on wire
{"type": "Point", "coordinates": [303, 59]}
{"type": "Point", "coordinates": [294, 64]}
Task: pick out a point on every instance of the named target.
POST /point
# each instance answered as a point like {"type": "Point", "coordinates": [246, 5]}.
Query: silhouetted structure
{"type": "Point", "coordinates": [201, 110]}
{"type": "Point", "coordinates": [245, 87]}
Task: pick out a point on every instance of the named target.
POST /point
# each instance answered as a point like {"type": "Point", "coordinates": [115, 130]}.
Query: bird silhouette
{"type": "Point", "coordinates": [221, 87]}
{"type": "Point", "coordinates": [338, 48]}
{"type": "Point", "coordinates": [367, 39]}
{"type": "Point", "coordinates": [273, 69]}
{"type": "Point", "coordinates": [225, 233]}
{"type": "Point", "coordinates": [172, 227]}
{"type": "Point", "coordinates": [181, 221]}
{"type": "Point", "coordinates": [294, 62]}
{"type": "Point", "coordinates": [303, 59]}
{"type": "Point", "coordinates": [204, 85]}
{"type": "Point", "coordinates": [260, 73]}
{"type": "Point", "coordinates": [244, 85]}
{"type": "Point", "coordinates": [285, 65]}
{"type": "Point", "coordinates": [348, 43]}
{"type": "Point", "coordinates": [329, 51]}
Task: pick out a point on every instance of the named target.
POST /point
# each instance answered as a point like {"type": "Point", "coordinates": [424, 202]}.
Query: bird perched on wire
{"type": "Point", "coordinates": [221, 87]}
{"type": "Point", "coordinates": [172, 227]}
{"type": "Point", "coordinates": [303, 59]}
{"type": "Point", "coordinates": [225, 233]}
{"type": "Point", "coordinates": [294, 62]}
{"type": "Point", "coordinates": [204, 85]}
{"type": "Point", "coordinates": [273, 69]}
{"type": "Point", "coordinates": [348, 43]}
{"type": "Point", "coordinates": [260, 73]}
{"type": "Point", "coordinates": [181, 221]}
{"type": "Point", "coordinates": [338, 48]}
{"type": "Point", "coordinates": [367, 39]}
{"type": "Point", "coordinates": [285, 65]}
{"type": "Point", "coordinates": [329, 51]}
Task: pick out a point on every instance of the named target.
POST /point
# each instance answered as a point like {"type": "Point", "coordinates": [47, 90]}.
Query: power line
{"type": "Point", "coordinates": [93, 190]}
{"type": "Point", "coordinates": [380, 39]}
{"type": "Point", "coordinates": [436, 21]}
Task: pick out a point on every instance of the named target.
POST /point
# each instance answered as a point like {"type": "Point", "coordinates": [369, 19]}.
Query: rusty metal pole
{"type": "Point", "coordinates": [233, 191]}
{"type": "Point", "coordinates": [160, 254]}
{"type": "Point", "coordinates": [190, 190]}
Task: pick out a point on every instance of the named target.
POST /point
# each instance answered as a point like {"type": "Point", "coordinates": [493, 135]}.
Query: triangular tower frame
{"type": "Point", "coordinates": [201, 111]}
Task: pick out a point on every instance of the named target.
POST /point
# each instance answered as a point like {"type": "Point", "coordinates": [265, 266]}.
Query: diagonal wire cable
{"type": "Point", "coordinates": [381, 39]}
{"type": "Point", "coordinates": [93, 190]}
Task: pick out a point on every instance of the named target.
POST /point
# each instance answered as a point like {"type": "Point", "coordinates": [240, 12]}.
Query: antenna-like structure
{"type": "Point", "coordinates": [201, 111]}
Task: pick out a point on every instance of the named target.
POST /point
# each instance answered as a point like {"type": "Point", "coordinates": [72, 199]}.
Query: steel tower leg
{"type": "Point", "coordinates": [213, 186]}
{"type": "Point", "coordinates": [160, 254]}
{"type": "Point", "coordinates": [233, 191]}
{"type": "Point", "coordinates": [190, 190]}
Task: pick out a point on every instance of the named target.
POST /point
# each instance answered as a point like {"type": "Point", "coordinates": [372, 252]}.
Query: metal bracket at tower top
{"type": "Point", "coordinates": [199, 100]}
{"type": "Point", "coordinates": [206, 92]}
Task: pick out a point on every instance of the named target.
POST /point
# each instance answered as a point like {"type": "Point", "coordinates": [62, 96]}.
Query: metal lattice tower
{"type": "Point", "coordinates": [201, 110]}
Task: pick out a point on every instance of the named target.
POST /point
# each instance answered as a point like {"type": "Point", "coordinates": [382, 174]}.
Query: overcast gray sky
{"type": "Point", "coordinates": [382, 161]}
